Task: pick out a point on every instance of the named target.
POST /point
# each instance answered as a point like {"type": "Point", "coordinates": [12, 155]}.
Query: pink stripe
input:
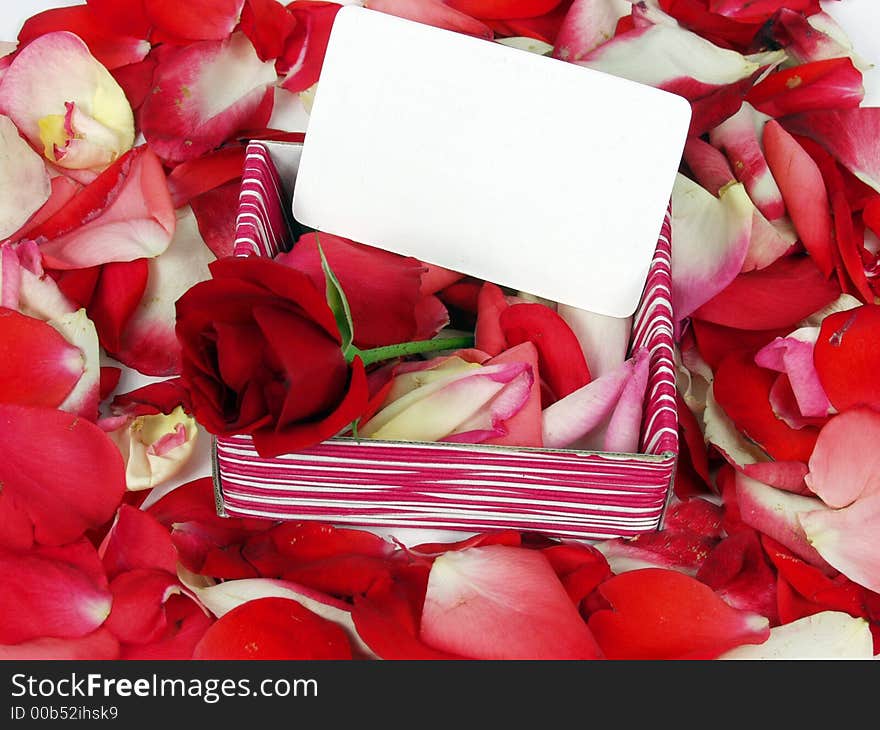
{"type": "Point", "coordinates": [461, 486]}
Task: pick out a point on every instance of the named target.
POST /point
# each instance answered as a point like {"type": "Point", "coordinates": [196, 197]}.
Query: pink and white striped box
{"type": "Point", "coordinates": [388, 484]}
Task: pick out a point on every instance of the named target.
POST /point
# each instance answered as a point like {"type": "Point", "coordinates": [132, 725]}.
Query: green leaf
{"type": "Point", "coordinates": [338, 305]}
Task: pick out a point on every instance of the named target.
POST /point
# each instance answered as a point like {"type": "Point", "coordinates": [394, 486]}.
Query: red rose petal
{"type": "Point", "coordinates": [138, 614]}
{"type": "Point", "coordinates": [137, 540]}
{"type": "Point", "coordinates": [742, 389]}
{"type": "Point", "coordinates": [306, 46]}
{"type": "Point", "coordinates": [268, 24]}
{"type": "Point", "coordinates": [52, 592]}
{"type": "Point", "coordinates": [586, 26]}
{"type": "Point", "coordinates": [697, 624]}
{"type": "Point", "coordinates": [185, 624]}
{"type": "Point", "coordinates": [488, 333]}
{"type": "Point", "coordinates": [194, 20]}
{"type": "Point", "coordinates": [49, 457]}
{"type": "Point", "coordinates": [848, 134]}
{"type": "Point", "coordinates": [499, 602]}
{"type": "Point", "coordinates": [273, 628]}
{"type": "Point", "coordinates": [804, 192]}
{"type": "Point", "coordinates": [847, 357]}
{"type": "Point", "coordinates": [216, 213]}
{"type": "Point", "coordinates": [38, 366]}
{"type": "Point", "coordinates": [778, 296]}
{"type": "Point", "coordinates": [98, 645]}
{"type": "Point", "coordinates": [111, 47]}
{"type": "Point", "coordinates": [504, 9]}
{"type": "Point", "coordinates": [562, 363]}
{"type": "Point", "coordinates": [834, 83]}
{"type": "Point", "coordinates": [117, 294]}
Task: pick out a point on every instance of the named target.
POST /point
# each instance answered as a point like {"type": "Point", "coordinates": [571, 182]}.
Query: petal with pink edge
{"type": "Point", "coordinates": [848, 134]}
{"type": "Point", "coordinates": [37, 365]}
{"type": "Point", "coordinates": [697, 624]}
{"type": "Point", "coordinates": [803, 190]}
{"type": "Point", "coordinates": [775, 513]}
{"type": "Point", "coordinates": [67, 103]}
{"type": "Point", "coordinates": [148, 342]}
{"type": "Point", "coordinates": [60, 469]}
{"type": "Point", "coordinates": [587, 25]}
{"type": "Point", "coordinates": [125, 214]}
{"type": "Point", "coordinates": [203, 94]}
{"type": "Point", "coordinates": [52, 592]}
{"type": "Point", "coordinates": [501, 602]}
{"type": "Point", "coordinates": [625, 425]}
{"type": "Point", "coordinates": [24, 180]}
{"type": "Point", "coordinates": [740, 139]}
{"type": "Point", "coordinates": [845, 465]}
{"type": "Point", "coordinates": [831, 84]}
{"type": "Point", "coordinates": [603, 339]}
{"type": "Point", "coordinates": [847, 538]}
{"type": "Point", "coordinates": [80, 332]}
{"type": "Point", "coordinates": [793, 355]}
{"type": "Point", "coordinates": [304, 52]}
{"type": "Point", "coordinates": [669, 57]}
{"type": "Point", "coordinates": [572, 418]}
{"type": "Point", "coordinates": [523, 428]}
{"type": "Point", "coordinates": [273, 628]}
{"type": "Point", "coordinates": [711, 241]}
{"type": "Point", "coordinates": [824, 635]}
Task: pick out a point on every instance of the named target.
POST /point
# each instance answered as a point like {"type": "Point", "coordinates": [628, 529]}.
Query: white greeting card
{"type": "Point", "coordinates": [516, 168]}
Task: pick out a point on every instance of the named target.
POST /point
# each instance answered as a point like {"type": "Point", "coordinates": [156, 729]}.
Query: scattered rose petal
{"type": "Point", "coordinates": [603, 339]}
{"type": "Point", "coordinates": [847, 357]}
{"type": "Point", "coordinates": [780, 295]}
{"type": "Point", "coordinates": [587, 25]}
{"type": "Point", "coordinates": [697, 623]}
{"type": "Point", "coordinates": [98, 645]}
{"type": "Point", "coordinates": [499, 602]}
{"type": "Point", "coordinates": [52, 592]}
{"type": "Point", "coordinates": [24, 180]}
{"type": "Point", "coordinates": [148, 342]}
{"type": "Point", "coordinates": [139, 595]}
{"type": "Point", "coordinates": [196, 20]}
{"type": "Point", "coordinates": [711, 241]}
{"type": "Point", "coordinates": [135, 541]}
{"type": "Point", "coordinates": [775, 513]}
{"type": "Point", "coordinates": [71, 483]}
{"type": "Point", "coordinates": [273, 628]}
{"type": "Point", "coordinates": [203, 94]}
{"type": "Point", "coordinates": [804, 193]}
{"type": "Point", "coordinates": [125, 214]}
{"type": "Point", "coordinates": [825, 635]}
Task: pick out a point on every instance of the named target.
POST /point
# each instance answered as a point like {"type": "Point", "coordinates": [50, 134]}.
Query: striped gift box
{"type": "Point", "coordinates": [566, 493]}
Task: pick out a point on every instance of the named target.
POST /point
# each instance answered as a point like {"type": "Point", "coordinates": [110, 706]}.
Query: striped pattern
{"type": "Point", "coordinates": [260, 227]}
{"type": "Point", "coordinates": [564, 493]}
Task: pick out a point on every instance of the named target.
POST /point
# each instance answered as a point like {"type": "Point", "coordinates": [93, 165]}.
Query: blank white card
{"type": "Point", "coordinates": [516, 168]}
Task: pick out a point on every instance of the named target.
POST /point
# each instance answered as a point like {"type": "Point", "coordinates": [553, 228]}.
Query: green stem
{"type": "Point", "coordinates": [389, 352]}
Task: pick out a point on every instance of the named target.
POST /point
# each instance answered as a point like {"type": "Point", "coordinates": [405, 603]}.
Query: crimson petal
{"type": "Point", "coordinates": [137, 540]}
{"type": "Point", "coordinates": [697, 624]}
{"type": "Point", "coordinates": [52, 592]}
{"type": "Point", "coordinates": [98, 645]}
{"type": "Point", "coordinates": [778, 296]}
{"type": "Point", "coordinates": [61, 469]}
{"type": "Point", "coordinates": [195, 19]}
{"type": "Point", "coordinates": [847, 357]}
{"type": "Point", "coordinates": [273, 628]}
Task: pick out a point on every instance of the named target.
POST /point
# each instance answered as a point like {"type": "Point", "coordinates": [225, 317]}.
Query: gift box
{"type": "Point", "coordinates": [469, 487]}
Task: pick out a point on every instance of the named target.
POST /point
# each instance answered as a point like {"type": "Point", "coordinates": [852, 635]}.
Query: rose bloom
{"type": "Point", "coordinates": [262, 356]}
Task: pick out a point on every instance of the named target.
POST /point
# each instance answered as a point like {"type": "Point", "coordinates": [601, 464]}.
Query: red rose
{"type": "Point", "coordinates": [262, 355]}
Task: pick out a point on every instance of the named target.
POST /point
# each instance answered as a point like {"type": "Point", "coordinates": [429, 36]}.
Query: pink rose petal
{"type": "Point", "coordinates": [500, 602]}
